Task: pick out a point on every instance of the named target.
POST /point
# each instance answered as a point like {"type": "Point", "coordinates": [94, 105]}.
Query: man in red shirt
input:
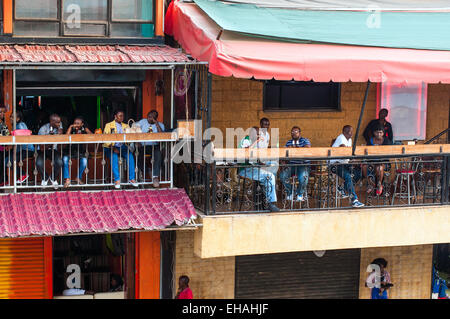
{"type": "Point", "coordinates": [184, 292]}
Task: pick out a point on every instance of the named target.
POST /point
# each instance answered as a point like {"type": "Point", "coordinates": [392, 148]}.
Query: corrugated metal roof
{"type": "Point", "coordinates": [102, 54]}
{"type": "Point", "coordinates": [92, 212]}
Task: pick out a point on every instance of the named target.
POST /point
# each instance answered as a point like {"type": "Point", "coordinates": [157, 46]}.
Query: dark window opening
{"type": "Point", "coordinates": [299, 96]}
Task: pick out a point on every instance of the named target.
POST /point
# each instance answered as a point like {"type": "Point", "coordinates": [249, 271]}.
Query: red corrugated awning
{"type": "Point", "coordinates": [60, 213]}
{"type": "Point", "coordinates": [233, 54]}
{"type": "Point", "coordinates": [98, 54]}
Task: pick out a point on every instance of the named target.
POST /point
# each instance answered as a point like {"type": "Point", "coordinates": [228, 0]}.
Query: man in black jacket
{"type": "Point", "coordinates": [382, 120]}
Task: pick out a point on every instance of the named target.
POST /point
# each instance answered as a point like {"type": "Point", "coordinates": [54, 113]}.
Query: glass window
{"type": "Point", "coordinates": [138, 10]}
{"type": "Point", "coordinates": [88, 10]}
{"type": "Point", "coordinates": [134, 30]}
{"type": "Point", "coordinates": [36, 9]}
{"type": "Point", "coordinates": [88, 30]}
{"type": "Point", "coordinates": [36, 29]}
{"type": "Point", "coordinates": [292, 95]}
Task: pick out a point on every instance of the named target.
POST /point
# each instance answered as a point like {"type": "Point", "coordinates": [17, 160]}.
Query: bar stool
{"type": "Point", "coordinates": [405, 172]}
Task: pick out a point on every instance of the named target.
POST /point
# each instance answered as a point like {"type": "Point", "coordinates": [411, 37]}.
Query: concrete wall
{"type": "Point", "coordinates": [409, 267]}
{"type": "Point", "coordinates": [239, 103]}
{"type": "Point", "coordinates": [211, 278]}
{"type": "Point", "coordinates": [248, 234]}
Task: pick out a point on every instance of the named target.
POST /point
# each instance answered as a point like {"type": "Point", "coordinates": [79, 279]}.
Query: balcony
{"type": "Point", "coordinates": [411, 209]}
{"type": "Point", "coordinates": [63, 156]}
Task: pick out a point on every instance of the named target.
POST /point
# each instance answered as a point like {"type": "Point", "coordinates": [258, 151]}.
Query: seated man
{"type": "Point", "coordinates": [50, 152]}
{"type": "Point", "coordinates": [151, 125]}
{"type": "Point", "coordinates": [115, 150]}
{"type": "Point", "coordinates": [345, 170]}
{"type": "Point", "coordinates": [300, 169]}
{"type": "Point", "coordinates": [260, 174]}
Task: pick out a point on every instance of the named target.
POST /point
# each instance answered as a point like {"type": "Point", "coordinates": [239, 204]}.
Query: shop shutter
{"type": "Point", "coordinates": [25, 268]}
{"type": "Point", "coordinates": [298, 275]}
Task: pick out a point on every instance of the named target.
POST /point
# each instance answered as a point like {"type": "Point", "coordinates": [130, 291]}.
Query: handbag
{"type": "Point", "coordinates": [133, 127]}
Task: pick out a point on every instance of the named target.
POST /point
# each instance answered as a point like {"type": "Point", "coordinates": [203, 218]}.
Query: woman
{"type": "Point", "coordinates": [379, 165]}
{"type": "Point", "coordinates": [379, 282]}
{"type": "Point", "coordinates": [77, 151]}
{"type": "Point", "coordinates": [184, 292]}
{"type": "Point", "coordinates": [114, 150]}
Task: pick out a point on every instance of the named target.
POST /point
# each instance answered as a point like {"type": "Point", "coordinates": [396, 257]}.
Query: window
{"type": "Point", "coordinates": [298, 96]}
{"type": "Point", "coordinates": [84, 18]}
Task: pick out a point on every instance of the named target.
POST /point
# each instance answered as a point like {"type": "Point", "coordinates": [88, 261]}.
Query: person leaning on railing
{"type": "Point", "coordinates": [114, 150]}
{"type": "Point", "coordinates": [151, 125]}
{"type": "Point", "coordinates": [50, 152]}
{"type": "Point", "coordinates": [77, 151]}
{"type": "Point", "coordinates": [22, 151]}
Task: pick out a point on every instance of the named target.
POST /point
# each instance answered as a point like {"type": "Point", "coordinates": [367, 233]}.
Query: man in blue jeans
{"type": "Point", "coordinates": [114, 150]}
{"type": "Point", "coordinates": [301, 170]}
{"type": "Point", "coordinates": [349, 173]}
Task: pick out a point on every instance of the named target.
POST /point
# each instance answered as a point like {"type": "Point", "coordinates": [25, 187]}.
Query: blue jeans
{"type": "Point", "coordinates": [345, 172]}
{"type": "Point", "coordinates": [267, 180]}
{"type": "Point", "coordinates": [82, 165]}
{"type": "Point", "coordinates": [302, 173]}
{"type": "Point", "coordinates": [375, 294]}
{"type": "Point", "coordinates": [114, 159]}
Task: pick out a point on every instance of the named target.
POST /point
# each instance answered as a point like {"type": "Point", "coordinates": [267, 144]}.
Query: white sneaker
{"type": "Point", "coordinates": [289, 198]}
{"type": "Point", "coordinates": [55, 184]}
{"type": "Point", "coordinates": [117, 185]}
{"type": "Point", "coordinates": [134, 183]}
{"type": "Point", "coordinates": [300, 198]}
{"type": "Point", "coordinates": [44, 183]}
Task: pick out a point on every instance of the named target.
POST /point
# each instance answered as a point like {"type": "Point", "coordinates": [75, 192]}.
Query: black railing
{"type": "Point", "coordinates": [317, 184]}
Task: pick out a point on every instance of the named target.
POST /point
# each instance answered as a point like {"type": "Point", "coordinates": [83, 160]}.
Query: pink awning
{"type": "Point", "coordinates": [38, 214]}
{"type": "Point", "coordinates": [233, 54]}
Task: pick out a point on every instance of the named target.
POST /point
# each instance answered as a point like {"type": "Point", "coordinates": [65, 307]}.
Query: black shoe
{"type": "Point", "coordinates": [273, 207]}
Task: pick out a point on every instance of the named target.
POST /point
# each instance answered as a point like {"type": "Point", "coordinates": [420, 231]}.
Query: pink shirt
{"type": "Point", "coordinates": [185, 294]}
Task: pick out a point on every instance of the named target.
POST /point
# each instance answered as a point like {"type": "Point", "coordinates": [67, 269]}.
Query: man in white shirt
{"type": "Point", "coordinates": [345, 170]}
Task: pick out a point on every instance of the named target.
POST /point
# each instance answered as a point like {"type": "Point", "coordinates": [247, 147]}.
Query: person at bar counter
{"type": "Point", "coordinates": [379, 164]}
{"type": "Point", "coordinates": [4, 131]}
{"type": "Point", "coordinates": [262, 174]}
{"type": "Point", "coordinates": [351, 174]}
{"type": "Point", "coordinates": [50, 152]}
{"type": "Point", "coordinates": [151, 125]}
{"type": "Point", "coordinates": [300, 169]}
{"type": "Point", "coordinates": [114, 150]}
{"type": "Point", "coordinates": [76, 151]}
{"type": "Point", "coordinates": [387, 127]}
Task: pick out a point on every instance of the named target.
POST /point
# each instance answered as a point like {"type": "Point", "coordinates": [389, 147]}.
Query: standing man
{"type": "Point", "coordinates": [382, 115]}
{"type": "Point", "coordinates": [50, 152]}
{"type": "Point", "coordinates": [115, 150]}
{"type": "Point", "coordinates": [345, 170]}
{"type": "Point", "coordinates": [151, 125]}
{"type": "Point", "coordinates": [300, 170]}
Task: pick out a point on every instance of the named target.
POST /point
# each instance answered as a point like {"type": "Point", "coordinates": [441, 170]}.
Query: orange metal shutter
{"type": "Point", "coordinates": [148, 261]}
{"type": "Point", "coordinates": [26, 268]}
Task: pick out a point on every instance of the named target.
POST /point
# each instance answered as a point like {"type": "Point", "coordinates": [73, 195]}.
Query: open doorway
{"type": "Point", "coordinates": [94, 266]}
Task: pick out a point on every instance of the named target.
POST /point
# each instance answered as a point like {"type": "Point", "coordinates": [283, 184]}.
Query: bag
{"type": "Point", "coordinates": [21, 132]}
{"type": "Point", "coordinates": [133, 127]}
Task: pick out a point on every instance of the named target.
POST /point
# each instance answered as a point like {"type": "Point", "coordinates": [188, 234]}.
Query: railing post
{"type": "Point", "coordinates": [207, 188]}
{"type": "Point", "coordinates": [445, 179]}
{"type": "Point", "coordinates": [214, 185]}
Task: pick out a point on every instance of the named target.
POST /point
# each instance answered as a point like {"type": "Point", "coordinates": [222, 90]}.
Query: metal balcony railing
{"type": "Point", "coordinates": [88, 161]}
{"type": "Point", "coordinates": [385, 176]}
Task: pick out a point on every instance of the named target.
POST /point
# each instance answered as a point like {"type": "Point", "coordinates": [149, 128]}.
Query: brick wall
{"type": "Point", "coordinates": [211, 278]}
{"type": "Point", "coordinates": [409, 267]}
{"type": "Point", "coordinates": [238, 103]}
